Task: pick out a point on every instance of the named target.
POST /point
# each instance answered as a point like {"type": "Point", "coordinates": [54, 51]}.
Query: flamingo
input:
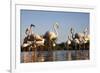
{"type": "Point", "coordinates": [52, 36]}
{"type": "Point", "coordinates": [74, 39]}
{"type": "Point", "coordinates": [32, 38]}
{"type": "Point", "coordinates": [83, 37]}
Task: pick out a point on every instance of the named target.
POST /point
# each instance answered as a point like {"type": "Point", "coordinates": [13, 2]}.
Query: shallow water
{"type": "Point", "coordinates": [59, 55]}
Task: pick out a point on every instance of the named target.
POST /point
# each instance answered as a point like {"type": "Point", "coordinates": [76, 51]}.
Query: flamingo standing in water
{"type": "Point", "coordinates": [32, 40]}
{"type": "Point", "coordinates": [77, 39]}
{"type": "Point", "coordinates": [50, 39]}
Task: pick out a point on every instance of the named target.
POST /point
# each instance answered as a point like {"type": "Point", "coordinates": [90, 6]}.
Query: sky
{"type": "Point", "coordinates": [44, 20]}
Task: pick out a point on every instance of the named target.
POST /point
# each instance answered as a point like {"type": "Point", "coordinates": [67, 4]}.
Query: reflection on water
{"type": "Point", "coordinates": [61, 55]}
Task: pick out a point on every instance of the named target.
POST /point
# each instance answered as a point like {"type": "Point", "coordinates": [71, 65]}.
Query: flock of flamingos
{"type": "Point", "coordinates": [48, 40]}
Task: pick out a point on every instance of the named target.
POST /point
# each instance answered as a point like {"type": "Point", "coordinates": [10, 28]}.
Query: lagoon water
{"type": "Point", "coordinates": [59, 55]}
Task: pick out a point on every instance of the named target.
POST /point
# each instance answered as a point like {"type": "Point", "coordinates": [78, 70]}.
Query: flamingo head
{"type": "Point", "coordinates": [57, 25]}
{"type": "Point", "coordinates": [32, 25]}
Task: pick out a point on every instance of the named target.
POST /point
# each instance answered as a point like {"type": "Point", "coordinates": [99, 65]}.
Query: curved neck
{"type": "Point", "coordinates": [85, 31]}
{"type": "Point", "coordinates": [72, 33]}
{"type": "Point", "coordinates": [55, 29]}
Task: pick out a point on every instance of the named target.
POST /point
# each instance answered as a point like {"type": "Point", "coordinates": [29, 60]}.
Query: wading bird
{"type": "Point", "coordinates": [50, 41]}
{"type": "Point", "coordinates": [32, 38]}
{"type": "Point", "coordinates": [52, 36]}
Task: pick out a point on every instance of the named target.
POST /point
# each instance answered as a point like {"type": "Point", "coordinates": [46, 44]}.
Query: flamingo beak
{"type": "Point", "coordinates": [33, 25]}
